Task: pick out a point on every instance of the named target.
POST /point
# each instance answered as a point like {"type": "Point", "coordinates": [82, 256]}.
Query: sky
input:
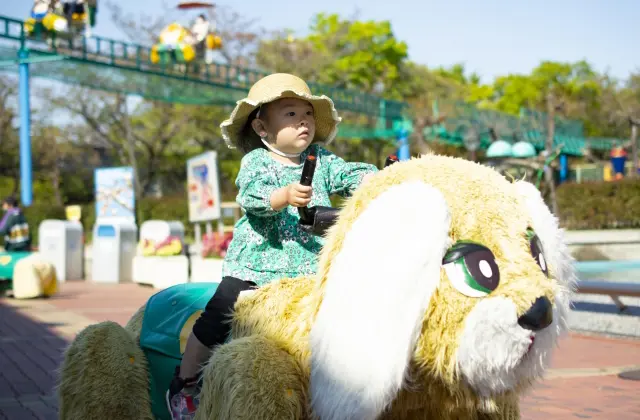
{"type": "Point", "coordinates": [491, 37]}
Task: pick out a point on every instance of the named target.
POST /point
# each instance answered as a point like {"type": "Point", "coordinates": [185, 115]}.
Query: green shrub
{"type": "Point", "coordinates": [600, 205]}
{"type": "Point", "coordinates": [589, 205]}
{"type": "Point", "coordinates": [38, 212]}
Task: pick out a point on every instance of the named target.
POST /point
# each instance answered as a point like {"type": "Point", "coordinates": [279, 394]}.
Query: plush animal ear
{"type": "Point", "coordinates": [375, 298]}
{"type": "Point", "coordinates": [546, 226]}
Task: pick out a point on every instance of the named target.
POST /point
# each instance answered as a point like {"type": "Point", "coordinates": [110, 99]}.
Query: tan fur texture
{"type": "Point", "coordinates": [104, 376]}
{"type": "Point", "coordinates": [252, 373]}
{"type": "Point", "coordinates": [264, 372]}
{"type": "Point", "coordinates": [134, 325]}
{"type": "Point", "coordinates": [485, 209]}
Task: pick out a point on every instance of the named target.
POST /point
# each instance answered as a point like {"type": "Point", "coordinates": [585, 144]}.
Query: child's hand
{"type": "Point", "coordinates": [298, 195]}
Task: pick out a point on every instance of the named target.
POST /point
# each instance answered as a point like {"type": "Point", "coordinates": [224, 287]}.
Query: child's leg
{"type": "Point", "coordinates": [213, 326]}
{"type": "Point", "coordinates": [211, 329]}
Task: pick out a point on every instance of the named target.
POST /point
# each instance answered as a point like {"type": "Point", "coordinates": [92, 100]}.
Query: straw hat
{"type": "Point", "coordinates": [276, 86]}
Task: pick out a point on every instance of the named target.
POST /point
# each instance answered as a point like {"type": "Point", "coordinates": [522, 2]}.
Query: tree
{"type": "Point", "coordinates": [348, 54]}
{"type": "Point", "coordinates": [9, 163]}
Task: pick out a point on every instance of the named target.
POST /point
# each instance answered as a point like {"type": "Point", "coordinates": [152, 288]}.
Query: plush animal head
{"type": "Point", "coordinates": [440, 267]}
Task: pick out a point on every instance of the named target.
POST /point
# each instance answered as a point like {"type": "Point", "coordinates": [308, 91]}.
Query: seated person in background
{"type": "Point", "coordinates": [14, 227]}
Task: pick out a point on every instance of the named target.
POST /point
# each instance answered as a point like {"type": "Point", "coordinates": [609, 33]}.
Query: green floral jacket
{"type": "Point", "coordinates": [268, 244]}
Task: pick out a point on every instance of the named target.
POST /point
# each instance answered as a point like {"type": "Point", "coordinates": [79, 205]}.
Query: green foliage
{"type": "Point", "coordinates": [39, 212]}
{"type": "Point", "coordinates": [592, 205]}
{"type": "Point", "coordinates": [363, 55]}
{"type": "Point", "coordinates": [158, 138]}
{"type": "Point", "coordinates": [599, 205]}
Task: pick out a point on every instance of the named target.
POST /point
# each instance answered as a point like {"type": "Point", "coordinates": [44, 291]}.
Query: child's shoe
{"type": "Point", "coordinates": [183, 397]}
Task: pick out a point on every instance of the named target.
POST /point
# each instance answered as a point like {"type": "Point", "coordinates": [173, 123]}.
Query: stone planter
{"type": "Point", "coordinates": [161, 272]}
{"type": "Point", "coordinates": [206, 270]}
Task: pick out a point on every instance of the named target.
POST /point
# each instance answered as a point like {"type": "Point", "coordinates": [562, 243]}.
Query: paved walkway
{"type": "Point", "coordinates": [582, 383]}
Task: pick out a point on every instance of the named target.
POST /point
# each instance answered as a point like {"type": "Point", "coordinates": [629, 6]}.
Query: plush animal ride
{"type": "Point", "coordinates": [441, 292]}
{"type": "Point", "coordinates": [27, 275]}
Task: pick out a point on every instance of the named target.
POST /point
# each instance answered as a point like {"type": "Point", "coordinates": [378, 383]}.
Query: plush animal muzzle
{"type": "Point", "coordinates": [498, 336]}
{"type": "Point", "coordinates": [499, 349]}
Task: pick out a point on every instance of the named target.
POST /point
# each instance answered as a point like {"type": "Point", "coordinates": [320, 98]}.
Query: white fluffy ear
{"type": "Point", "coordinates": [376, 294]}
{"type": "Point", "coordinates": [546, 226]}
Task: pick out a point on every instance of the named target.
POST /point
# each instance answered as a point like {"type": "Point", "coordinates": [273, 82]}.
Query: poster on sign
{"type": "Point", "coordinates": [115, 197]}
{"type": "Point", "coordinates": [203, 188]}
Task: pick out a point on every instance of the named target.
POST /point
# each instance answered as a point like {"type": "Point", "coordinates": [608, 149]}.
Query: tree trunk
{"type": "Point", "coordinates": [548, 176]}
{"type": "Point", "coordinates": [551, 130]}
{"type": "Point", "coordinates": [377, 148]}
{"type": "Point", "coordinates": [634, 149]}
{"type": "Point", "coordinates": [131, 152]}
{"type": "Point", "coordinates": [551, 123]}
{"type": "Point", "coordinates": [16, 183]}
{"type": "Point", "coordinates": [55, 184]}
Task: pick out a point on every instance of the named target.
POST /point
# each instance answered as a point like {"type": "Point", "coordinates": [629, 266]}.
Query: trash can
{"type": "Point", "coordinates": [114, 246]}
{"type": "Point", "coordinates": [60, 242]}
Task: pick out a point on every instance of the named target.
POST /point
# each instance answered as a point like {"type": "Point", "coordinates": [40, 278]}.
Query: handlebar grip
{"type": "Point", "coordinates": [307, 214]}
{"type": "Point", "coordinates": [391, 159]}
{"type": "Point", "coordinates": [307, 171]}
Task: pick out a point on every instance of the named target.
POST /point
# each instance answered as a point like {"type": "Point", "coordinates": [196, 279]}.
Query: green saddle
{"type": "Point", "coordinates": [168, 320]}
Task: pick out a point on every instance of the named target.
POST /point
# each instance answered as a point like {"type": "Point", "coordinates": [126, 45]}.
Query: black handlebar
{"type": "Point", "coordinates": [391, 159]}
{"type": "Point", "coordinates": [319, 219]}
{"type": "Point", "coordinates": [307, 213]}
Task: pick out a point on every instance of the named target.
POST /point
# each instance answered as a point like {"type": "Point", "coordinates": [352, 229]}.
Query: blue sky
{"type": "Point", "coordinates": [492, 37]}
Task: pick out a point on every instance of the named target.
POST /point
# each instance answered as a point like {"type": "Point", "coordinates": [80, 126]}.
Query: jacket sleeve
{"type": "Point", "coordinates": [256, 182]}
{"type": "Point", "coordinates": [9, 222]}
{"type": "Point", "coordinates": [344, 177]}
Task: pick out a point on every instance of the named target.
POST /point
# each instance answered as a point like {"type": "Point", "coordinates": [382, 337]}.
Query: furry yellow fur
{"type": "Point", "coordinates": [251, 378]}
{"type": "Point", "coordinates": [264, 372]}
{"type": "Point", "coordinates": [486, 209]}
{"type": "Point", "coordinates": [104, 376]}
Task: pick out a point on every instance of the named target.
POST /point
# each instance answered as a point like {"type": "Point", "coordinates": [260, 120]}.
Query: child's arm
{"type": "Point", "coordinates": [344, 177]}
{"type": "Point", "coordinates": [295, 194]}
{"type": "Point", "coordinates": [256, 183]}
{"type": "Point", "coordinates": [9, 222]}
{"type": "Point", "coordinates": [259, 193]}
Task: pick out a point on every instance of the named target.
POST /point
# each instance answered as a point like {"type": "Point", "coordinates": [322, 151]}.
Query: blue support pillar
{"type": "Point", "coordinates": [26, 192]}
{"type": "Point", "coordinates": [403, 145]}
{"type": "Point", "coordinates": [564, 168]}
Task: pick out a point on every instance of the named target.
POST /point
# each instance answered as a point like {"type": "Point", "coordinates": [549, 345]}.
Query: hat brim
{"type": "Point", "coordinates": [325, 113]}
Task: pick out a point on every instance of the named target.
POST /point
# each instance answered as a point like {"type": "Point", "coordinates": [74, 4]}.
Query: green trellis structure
{"type": "Point", "coordinates": [529, 126]}
{"type": "Point", "coordinates": [125, 68]}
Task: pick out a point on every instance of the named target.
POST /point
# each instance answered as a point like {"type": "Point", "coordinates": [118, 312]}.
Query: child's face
{"type": "Point", "coordinates": [290, 124]}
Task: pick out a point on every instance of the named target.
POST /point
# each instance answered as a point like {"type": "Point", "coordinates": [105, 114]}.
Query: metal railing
{"type": "Point", "coordinates": [102, 51]}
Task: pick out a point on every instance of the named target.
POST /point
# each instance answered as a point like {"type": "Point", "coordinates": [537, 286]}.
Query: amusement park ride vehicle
{"type": "Point", "coordinates": [178, 44]}
{"type": "Point", "coordinates": [63, 20]}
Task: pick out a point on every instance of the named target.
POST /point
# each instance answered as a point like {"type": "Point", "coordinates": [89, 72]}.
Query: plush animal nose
{"type": "Point", "coordinates": [539, 315]}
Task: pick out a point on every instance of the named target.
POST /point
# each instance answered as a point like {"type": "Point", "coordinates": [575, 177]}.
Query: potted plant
{"type": "Point", "coordinates": [208, 267]}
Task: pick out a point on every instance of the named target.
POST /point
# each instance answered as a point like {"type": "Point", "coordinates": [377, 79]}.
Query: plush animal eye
{"type": "Point", "coordinates": [536, 251]}
{"type": "Point", "coordinates": [472, 269]}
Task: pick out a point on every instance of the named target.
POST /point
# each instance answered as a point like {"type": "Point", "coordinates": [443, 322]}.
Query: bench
{"type": "Point", "coordinates": [611, 289]}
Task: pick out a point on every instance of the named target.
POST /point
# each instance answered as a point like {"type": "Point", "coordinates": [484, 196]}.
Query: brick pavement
{"type": "Point", "coordinates": [33, 333]}
{"type": "Point", "coordinates": [29, 355]}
